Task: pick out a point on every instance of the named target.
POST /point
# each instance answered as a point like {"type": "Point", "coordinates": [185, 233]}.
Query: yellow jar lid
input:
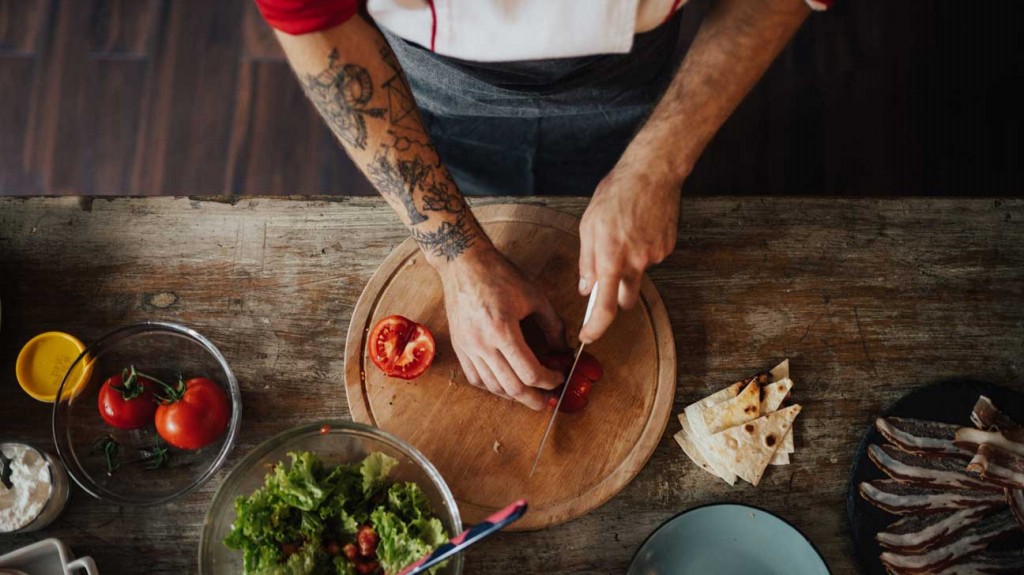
{"type": "Point", "coordinates": [45, 360]}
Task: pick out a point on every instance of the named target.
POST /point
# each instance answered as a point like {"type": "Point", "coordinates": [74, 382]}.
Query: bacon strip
{"type": "Point", "coordinates": [917, 533]}
{"type": "Point", "coordinates": [1015, 497]}
{"type": "Point", "coordinates": [935, 471]}
{"type": "Point", "coordinates": [906, 499]}
{"type": "Point", "coordinates": [973, 539]}
{"type": "Point", "coordinates": [970, 439]}
{"type": "Point", "coordinates": [988, 563]}
{"type": "Point", "coordinates": [987, 417]}
{"type": "Point", "coordinates": [919, 436]}
{"type": "Point", "coordinates": [997, 466]}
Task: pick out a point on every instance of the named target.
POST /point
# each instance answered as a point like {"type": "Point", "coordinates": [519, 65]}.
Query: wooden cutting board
{"type": "Point", "coordinates": [483, 445]}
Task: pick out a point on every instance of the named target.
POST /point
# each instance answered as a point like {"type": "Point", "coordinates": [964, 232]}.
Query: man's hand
{"type": "Point", "coordinates": [629, 225]}
{"type": "Point", "coordinates": [486, 297]}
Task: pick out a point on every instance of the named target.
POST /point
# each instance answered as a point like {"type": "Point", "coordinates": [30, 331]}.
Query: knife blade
{"type": "Point", "coordinates": [565, 386]}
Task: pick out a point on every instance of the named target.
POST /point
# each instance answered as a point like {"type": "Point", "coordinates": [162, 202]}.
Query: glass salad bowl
{"type": "Point", "coordinates": [137, 466]}
{"type": "Point", "coordinates": [333, 442]}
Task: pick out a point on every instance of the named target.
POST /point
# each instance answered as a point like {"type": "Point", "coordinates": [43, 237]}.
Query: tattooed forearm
{"type": "Point", "coordinates": [404, 165]}
{"type": "Point", "coordinates": [342, 93]}
{"type": "Point", "coordinates": [398, 180]}
{"type": "Point", "coordinates": [447, 241]}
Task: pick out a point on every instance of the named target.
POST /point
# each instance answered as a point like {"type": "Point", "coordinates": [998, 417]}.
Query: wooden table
{"type": "Point", "coordinates": [868, 298]}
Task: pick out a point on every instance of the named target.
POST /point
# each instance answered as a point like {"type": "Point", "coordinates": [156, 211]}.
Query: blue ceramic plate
{"type": "Point", "coordinates": [727, 539]}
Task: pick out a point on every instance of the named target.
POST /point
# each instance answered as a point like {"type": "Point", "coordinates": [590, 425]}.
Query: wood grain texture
{"type": "Point", "coordinates": [868, 298]}
{"type": "Point", "coordinates": [485, 446]}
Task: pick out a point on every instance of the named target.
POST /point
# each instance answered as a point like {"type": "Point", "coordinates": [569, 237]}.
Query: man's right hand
{"type": "Point", "coordinates": [486, 297]}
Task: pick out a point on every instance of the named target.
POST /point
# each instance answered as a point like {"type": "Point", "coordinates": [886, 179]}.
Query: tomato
{"type": "Point", "coordinates": [588, 371]}
{"type": "Point", "coordinates": [127, 400]}
{"type": "Point", "coordinates": [195, 415]}
{"type": "Point", "coordinates": [589, 367]}
{"type": "Point", "coordinates": [400, 347]}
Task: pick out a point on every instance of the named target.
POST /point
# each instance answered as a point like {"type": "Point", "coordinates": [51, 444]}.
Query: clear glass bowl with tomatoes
{"type": "Point", "coordinates": [156, 417]}
{"type": "Point", "coordinates": [333, 443]}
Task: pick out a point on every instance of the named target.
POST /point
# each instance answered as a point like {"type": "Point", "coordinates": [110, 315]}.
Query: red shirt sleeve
{"type": "Point", "coordinates": [304, 16]}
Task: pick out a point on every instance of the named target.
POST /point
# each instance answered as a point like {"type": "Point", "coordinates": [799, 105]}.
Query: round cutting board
{"type": "Point", "coordinates": [483, 445]}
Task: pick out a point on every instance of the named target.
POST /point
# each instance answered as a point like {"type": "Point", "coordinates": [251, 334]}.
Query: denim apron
{"type": "Point", "coordinates": [540, 127]}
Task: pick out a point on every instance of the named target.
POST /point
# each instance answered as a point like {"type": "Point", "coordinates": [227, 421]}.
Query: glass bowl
{"type": "Point", "coordinates": [165, 351]}
{"type": "Point", "coordinates": [334, 442]}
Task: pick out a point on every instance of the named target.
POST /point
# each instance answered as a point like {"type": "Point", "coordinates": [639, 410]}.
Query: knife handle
{"type": "Point", "coordinates": [457, 544]}
{"type": "Point", "coordinates": [590, 304]}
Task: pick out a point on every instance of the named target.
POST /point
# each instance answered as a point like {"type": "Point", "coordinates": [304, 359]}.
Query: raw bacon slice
{"type": "Point", "coordinates": [905, 499]}
{"type": "Point", "coordinates": [987, 416]}
{"type": "Point", "coordinates": [988, 563]}
{"type": "Point", "coordinates": [934, 471]}
{"type": "Point", "coordinates": [998, 466]}
{"type": "Point", "coordinates": [1015, 497]}
{"type": "Point", "coordinates": [919, 436]}
{"type": "Point", "coordinates": [973, 539]}
{"type": "Point", "coordinates": [917, 533]}
{"type": "Point", "coordinates": [969, 439]}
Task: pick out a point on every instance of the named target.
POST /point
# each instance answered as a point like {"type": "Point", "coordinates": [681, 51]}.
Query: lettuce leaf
{"type": "Point", "coordinates": [306, 504]}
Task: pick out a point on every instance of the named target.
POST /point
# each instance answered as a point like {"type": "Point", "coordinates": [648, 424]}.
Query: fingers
{"type": "Point", "coordinates": [604, 309]}
{"type": "Point", "coordinates": [629, 290]}
{"type": "Point", "coordinates": [588, 269]}
{"type": "Point", "coordinates": [549, 322]}
{"type": "Point", "coordinates": [491, 382]}
{"type": "Point", "coordinates": [527, 370]}
{"type": "Point", "coordinates": [513, 387]}
{"type": "Point", "coordinates": [472, 375]}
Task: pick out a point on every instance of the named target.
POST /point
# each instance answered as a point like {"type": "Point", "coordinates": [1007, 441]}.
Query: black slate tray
{"type": "Point", "coordinates": [948, 401]}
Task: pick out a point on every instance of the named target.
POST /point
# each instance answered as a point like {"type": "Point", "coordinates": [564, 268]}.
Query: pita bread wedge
{"type": "Point", "coordinates": [692, 419]}
{"type": "Point", "coordinates": [773, 394]}
{"type": "Point", "coordinates": [690, 449]}
{"type": "Point", "coordinates": [743, 408]}
{"type": "Point", "coordinates": [780, 371]}
{"type": "Point", "coordinates": [746, 449]}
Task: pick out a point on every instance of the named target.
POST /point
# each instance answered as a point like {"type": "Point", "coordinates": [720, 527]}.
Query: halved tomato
{"type": "Point", "coordinates": [401, 347]}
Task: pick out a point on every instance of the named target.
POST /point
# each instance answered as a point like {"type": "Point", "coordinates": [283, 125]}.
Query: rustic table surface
{"type": "Point", "coordinates": [868, 298]}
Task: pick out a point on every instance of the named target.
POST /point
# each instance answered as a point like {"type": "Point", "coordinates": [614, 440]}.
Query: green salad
{"type": "Point", "coordinates": [312, 519]}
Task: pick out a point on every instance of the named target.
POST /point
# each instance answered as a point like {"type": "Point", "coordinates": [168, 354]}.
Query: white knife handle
{"type": "Point", "coordinates": [590, 304]}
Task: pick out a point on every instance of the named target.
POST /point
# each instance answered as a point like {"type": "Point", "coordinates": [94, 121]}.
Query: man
{"type": "Point", "coordinates": [520, 97]}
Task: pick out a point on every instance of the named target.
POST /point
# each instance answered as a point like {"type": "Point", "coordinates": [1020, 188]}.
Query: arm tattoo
{"type": "Point", "coordinates": [449, 240]}
{"type": "Point", "coordinates": [342, 94]}
{"type": "Point", "coordinates": [406, 164]}
{"type": "Point", "coordinates": [398, 180]}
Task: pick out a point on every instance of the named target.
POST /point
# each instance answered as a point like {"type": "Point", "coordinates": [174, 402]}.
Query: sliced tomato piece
{"type": "Point", "coordinates": [589, 367]}
{"type": "Point", "coordinates": [401, 347]}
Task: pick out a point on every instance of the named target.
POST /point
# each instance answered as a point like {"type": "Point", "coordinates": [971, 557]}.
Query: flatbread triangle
{"type": "Point", "coordinates": [744, 407]}
{"type": "Point", "coordinates": [746, 449]}
{"type": "Point", "coordinates": [697, 432]}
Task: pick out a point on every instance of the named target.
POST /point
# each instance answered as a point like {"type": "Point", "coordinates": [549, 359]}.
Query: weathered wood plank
{"type": "Point", "coordinates": [869, 299]}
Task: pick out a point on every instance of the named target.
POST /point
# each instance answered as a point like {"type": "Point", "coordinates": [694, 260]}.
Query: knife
{"type": "Point", "coordinates": [565, 386]}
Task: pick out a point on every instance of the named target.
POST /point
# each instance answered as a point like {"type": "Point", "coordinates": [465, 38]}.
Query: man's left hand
{"type": "Point", "coordinates": [629, 225]}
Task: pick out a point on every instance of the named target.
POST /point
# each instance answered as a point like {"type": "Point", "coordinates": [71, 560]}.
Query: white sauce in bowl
{"type": "Point", "coordinates": [31, 489]}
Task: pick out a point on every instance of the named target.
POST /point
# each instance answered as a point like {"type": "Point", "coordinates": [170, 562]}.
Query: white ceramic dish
{"type": "Point", "coordinates": [47, 557]}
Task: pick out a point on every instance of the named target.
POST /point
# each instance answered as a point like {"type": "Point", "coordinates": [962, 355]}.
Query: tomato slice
{"type": "Point", "coordinates": [588, 371]}
{"type": "Point", "coordinates": [589, 367]}
{"type": "Point", "coordinates": [401, 347]}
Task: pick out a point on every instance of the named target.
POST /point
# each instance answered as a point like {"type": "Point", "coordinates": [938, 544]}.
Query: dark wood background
{"type": "Point", "coordinates": [176, 97]}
